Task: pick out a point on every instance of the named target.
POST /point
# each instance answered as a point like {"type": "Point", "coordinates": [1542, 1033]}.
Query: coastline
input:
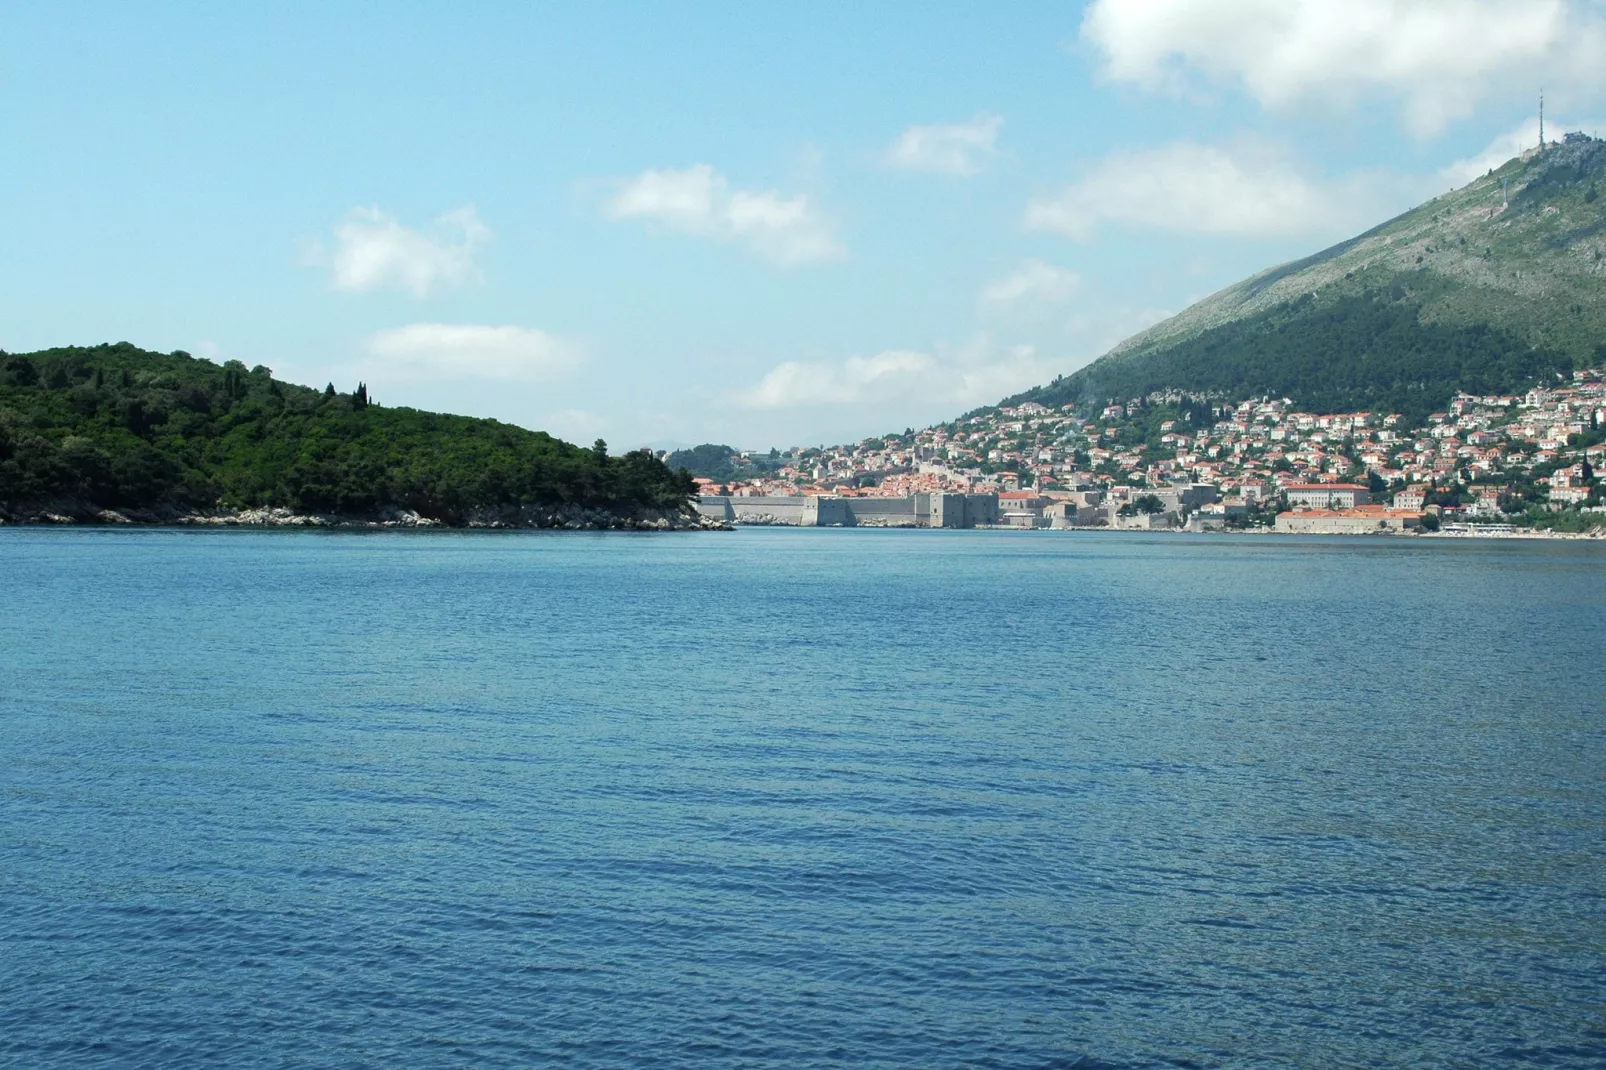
{"type": "Point", "coordinates": [575, 518]}
{"type": "Point", "coordinates": [1598, 535]}
{"type": "Point", "coordinates": [510, 518]}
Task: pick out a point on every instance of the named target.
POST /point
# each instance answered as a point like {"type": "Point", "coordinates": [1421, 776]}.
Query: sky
{"type": "Point", "coordinates": [754, 224]}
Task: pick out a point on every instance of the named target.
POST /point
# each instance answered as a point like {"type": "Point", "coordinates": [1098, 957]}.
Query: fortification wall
{"type": "Point", "coordinates": [881, 512]}
{"type": "Point", "coordinates": [909, 511]}
{"type": "Point", "coordinates": [980, 510]}
{"type": "Point", "coordinates": [1320, 522]}
{"type": "Point", "coordinates": [753, 510]}
{"type": "Point", "coordinates": [715, 506]}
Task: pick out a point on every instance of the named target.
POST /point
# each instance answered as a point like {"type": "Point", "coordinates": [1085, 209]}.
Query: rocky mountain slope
{"type": "Point", "coordinates": [1496, 284]}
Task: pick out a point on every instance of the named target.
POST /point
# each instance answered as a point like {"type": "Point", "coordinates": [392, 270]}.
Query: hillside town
{"type": "Point", "coordinates": [1199, 462]}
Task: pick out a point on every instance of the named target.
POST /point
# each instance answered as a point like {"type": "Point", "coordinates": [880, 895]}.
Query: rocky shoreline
{"type": "Point", "coordinates": [510, 518]}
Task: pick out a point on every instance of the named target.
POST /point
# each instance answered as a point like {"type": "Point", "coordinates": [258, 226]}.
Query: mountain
{"type": "Point", "coordinates": [158, 436]}
{"type": "Point", "coordinates": [1494, 286]}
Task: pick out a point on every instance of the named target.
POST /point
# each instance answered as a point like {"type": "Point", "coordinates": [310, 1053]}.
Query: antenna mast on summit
{"type": "Point", "coordinates": [1541, 120]}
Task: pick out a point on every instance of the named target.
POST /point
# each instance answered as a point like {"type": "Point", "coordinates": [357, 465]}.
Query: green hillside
{"type": "Point", "coordinates": [1494, 286]}
{"type": "Point", "coordinates": [116, 427]}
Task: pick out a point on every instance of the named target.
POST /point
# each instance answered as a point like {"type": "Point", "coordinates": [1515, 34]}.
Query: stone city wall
{"type": "Point", "coordinates": [824, 510]}
{"type": "Point", "coordinates": [755, 510]}
{"type": "Point", "coordinates": [1349, 522]}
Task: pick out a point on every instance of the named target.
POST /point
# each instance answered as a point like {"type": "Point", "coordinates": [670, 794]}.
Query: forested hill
{"type": "Point", "coordinates": [1490, 288]}
{"type": "Point", "coordinates": [153, 435]}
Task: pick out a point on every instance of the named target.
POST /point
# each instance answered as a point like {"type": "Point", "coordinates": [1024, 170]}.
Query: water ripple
{"type": "Point", "coordinates": [799, 799]}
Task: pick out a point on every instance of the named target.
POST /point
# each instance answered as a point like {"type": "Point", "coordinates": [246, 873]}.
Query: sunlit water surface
{"type": "Point", "coordinates": [800, 798]}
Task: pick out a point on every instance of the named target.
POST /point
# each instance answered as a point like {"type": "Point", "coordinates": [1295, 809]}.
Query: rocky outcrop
{"type": "Point", "coordinates": [525, 517]}
{"type": "Point", "coordinates": [578, 518]}
{"type": "Point", "coordinates": [765, 520]}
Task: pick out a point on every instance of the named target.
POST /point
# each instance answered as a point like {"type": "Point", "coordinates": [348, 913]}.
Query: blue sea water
{"type": "Point", "coordinates": [800, 798]}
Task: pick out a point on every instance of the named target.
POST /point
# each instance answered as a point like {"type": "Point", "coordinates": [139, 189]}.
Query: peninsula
{"type": "Point", "coordinates": [116, 434]}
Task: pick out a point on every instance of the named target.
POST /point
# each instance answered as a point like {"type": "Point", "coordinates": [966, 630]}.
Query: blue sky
{"type": "Point", "coordinates": [755, 224]}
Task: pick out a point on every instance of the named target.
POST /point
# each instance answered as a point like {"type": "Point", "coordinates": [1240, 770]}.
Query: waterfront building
{"type": "Point", "coordinates": [1413, 497]}
{"type": "Point", "coordinates": [1360, 520]}
{"type": "Point", "coordinates": [1328, 495]}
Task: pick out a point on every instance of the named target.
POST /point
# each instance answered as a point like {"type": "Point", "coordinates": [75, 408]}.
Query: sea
{"type": "Point", "coordinates": [800, 798]}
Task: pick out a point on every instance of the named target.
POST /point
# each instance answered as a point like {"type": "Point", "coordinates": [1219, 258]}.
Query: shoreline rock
{"type": "Point", "coordinates": [510, 518]}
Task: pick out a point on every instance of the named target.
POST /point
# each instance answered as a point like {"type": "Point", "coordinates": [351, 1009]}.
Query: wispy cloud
{"type": "Point", "coordinates": [699, 200]}
{"type": "Point", "coordinates": [1034, 283]}
{"type": "Point", "coordinates": [900, 381]}
{"type": "Point", "coordinates": [1202, 189]}
{"type": "Point", "coordinates": [373, 250]}
{"type": "Point", "coordinates": [451, 350]}
{"type": "Point", "coordinates": [1514, 142]}
{"type": "Point", "coordinates": [1439, 58]}
{"type": "Point", "coordinates": [574, 425]}
{"type": "Point", "coordinates": [947, 148]}
{"type": "Point", "coordinates": [792, 384]}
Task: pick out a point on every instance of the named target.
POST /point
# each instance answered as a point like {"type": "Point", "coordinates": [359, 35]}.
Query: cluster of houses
{"type": "Point", "coordinates": [1336, 471]}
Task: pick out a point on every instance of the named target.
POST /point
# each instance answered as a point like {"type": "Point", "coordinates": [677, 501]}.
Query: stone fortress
{"type": "Point", "coordinates": [1319, 509]}
{"type": "Point", "coordinates": [936, 510]}
{"type": "Point", "coordinates": [1083, 508]}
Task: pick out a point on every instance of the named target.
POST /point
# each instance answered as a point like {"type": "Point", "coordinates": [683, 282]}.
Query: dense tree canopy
{"type": "Point", "coordinates": [124, 428]}
{"type": "Point", "coordinates": [1369, 352]}
{"type": "Point", "coordinates": [708, 460]}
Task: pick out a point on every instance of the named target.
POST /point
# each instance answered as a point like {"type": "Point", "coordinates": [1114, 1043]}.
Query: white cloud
{"type": "Point", "coordinates": [1034, 282]}
{"type": "Point", "coordinates": [1439, 58]}
{"type": "Point", "coordinates": [900, 383]}
{"type": "Point", "coordinates": [1514, 142]}
{"type": "Point", "coordinates": [1096, 329]}
{"type": "Point", "coordinates": [574, 425]}
{"type": "Point", "coordinates": [448, 350]}
{"type": "Point", "coordinates": [698, 200]}
{"type": "Point", "coordinates": [373, 250]}
{"type": "Point", "coordinates": [681, 199]}
{"type": "Point", "coordinates": [1202, 189]}
{"type": "Point", "coordinates": [947, 148]}
{"type": "Point", "coordinates": [784, 229]}
{"type": "Point", "coordinates": [792, 384]}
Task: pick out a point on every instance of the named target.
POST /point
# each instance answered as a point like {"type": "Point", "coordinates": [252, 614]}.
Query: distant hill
{"type": "Point", "coordinates": [708, 460]}
{"type": "Point", "coordinates": [1497, 285]}
{"type": "Point", "coordinates": [722, 463]}
{"type": "Point", "coordinates": [154, 435]}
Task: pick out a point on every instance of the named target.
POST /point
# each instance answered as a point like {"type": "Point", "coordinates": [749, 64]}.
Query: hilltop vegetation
{"type": "Point", "coordinates": [709, 460]}
{"type": "Point", "coordinates": [1495, 287]}
{"type": "Point", "coordinates": [1350, 353]}
{"type": "Point", "coordinates": [116, 427]}
{"type": "Point", "coordinates": [722, 463]}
